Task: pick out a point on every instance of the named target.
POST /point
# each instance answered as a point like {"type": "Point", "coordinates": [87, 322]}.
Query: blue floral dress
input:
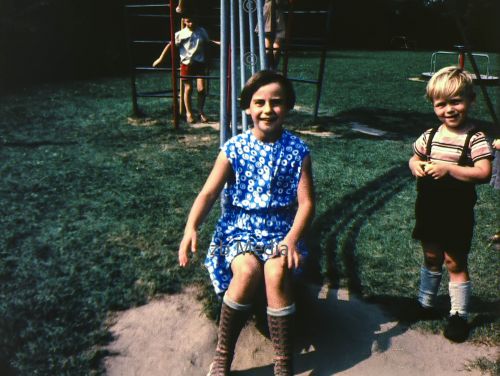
{"type": "Point", "coordinates": [259, 203]}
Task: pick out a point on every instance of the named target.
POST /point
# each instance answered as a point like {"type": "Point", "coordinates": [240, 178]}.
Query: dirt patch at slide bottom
{"type": "Point", "coordinates": [172, 336]}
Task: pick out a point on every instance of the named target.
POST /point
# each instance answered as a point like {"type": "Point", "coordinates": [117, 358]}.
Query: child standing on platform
{"type": "Point", "coordinates": [192, 41]}
{"type": "Point", "coordinates": [268, 203]}
{"type": "Point", "coordinates": [448, 161]}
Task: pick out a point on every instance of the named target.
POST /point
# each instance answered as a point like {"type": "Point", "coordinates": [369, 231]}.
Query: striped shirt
{"type": "Point", "coordinates": [448, 149]}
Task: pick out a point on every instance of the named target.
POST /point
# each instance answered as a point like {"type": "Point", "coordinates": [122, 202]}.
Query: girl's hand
{"type": "Point", "coordinates": [436, 170]}
{"type": "Point", "coordinates": [289, 253]}
{"type": "Point", "coordinates": [189, 242]}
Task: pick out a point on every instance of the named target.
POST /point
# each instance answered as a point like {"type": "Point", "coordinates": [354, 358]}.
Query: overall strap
{"type": "Point", "coordinates": [463, 157]}
{"type": "Point", "coordinates": [429, 143]}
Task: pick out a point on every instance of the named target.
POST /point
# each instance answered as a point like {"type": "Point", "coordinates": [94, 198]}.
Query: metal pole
{"type": "Point", "coordinates": [288, 33]}
{"type": "Point", "coordinates": [322, 61]}
{"type": "Point", "coordinates": [244, 124]}
{"type": "Point", "coordinates": [223, 72]}
{"type": "Point", "coordinates": [251, 25]}
{"type": "Point", "coordinates": [260, 25]}
{"type": "Point", "coordinates": [135, 108]}
{"type": "Point", "coordinates": [234, 70]}
{"type": "Point", "coordinates": [474, 65]}
{"type": "Point", "coordinates": [175, 106]}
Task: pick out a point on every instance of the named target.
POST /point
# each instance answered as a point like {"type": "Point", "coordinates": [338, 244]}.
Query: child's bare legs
{"type": "Point", "coordinates": [188, 90]}
{"type": "Point", "coordinates": [247, 275]}
{"type": "Point", "coordinates": [280, 313]}
{"type": "Point", "coordinates": [269, 53]}
{"type": "Point", "coordinates": [273, 53]}
{"type": "Point", "coordinates": [276, 53]}
{"type": "Point", "coordinates": [202, 94]}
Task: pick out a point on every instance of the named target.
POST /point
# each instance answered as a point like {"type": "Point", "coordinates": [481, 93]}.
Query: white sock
{"type": "Point", "coordinates": [235, 305]}
{"type": "Point", "coordinates": [280, 312]}
{"type": "Point", "coordinates": [429, 286]}
{"type": "Point", "coordinates": [460, 293]}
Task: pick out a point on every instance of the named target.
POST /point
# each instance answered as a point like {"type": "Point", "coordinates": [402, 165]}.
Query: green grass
{"type": "Point", "coordinates": [93, 203]}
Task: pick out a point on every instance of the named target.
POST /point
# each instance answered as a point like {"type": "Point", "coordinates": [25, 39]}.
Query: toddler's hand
{"type": "Point", "coordinates": [419, 169]}
{"type": "Point", "coordinates": [189, 241]}
{"type": "Point", "coordinates": [436, 170]}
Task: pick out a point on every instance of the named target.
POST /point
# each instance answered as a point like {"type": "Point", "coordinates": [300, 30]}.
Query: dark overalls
{"type": "Point", "coordinates": [444, 209]}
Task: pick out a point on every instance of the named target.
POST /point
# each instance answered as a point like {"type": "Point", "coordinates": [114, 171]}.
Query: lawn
{"type": "Point", "coordinates": [94, 200]}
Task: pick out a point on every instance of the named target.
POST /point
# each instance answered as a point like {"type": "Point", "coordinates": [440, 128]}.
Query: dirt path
{"type": "Point", "coordinates": [171, 336]}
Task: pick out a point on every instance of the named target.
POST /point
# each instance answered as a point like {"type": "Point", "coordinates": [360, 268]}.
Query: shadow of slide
{"type": "Point", "coordinates": [344, 221]}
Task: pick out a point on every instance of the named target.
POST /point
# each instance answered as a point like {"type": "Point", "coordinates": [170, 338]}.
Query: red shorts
{"type": "Point", "coordinates": [193, 69]}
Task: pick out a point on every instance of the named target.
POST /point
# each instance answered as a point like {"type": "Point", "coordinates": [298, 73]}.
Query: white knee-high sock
{"type": "Point", "coordinates": [429, 286]}
{"type": "Point", "coordinates": [460, 293]}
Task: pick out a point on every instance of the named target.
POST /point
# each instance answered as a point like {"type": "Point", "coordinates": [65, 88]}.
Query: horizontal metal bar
{"type": "Point", "coordinates": [306, 12]}
{"type": "Point", "coordinates": [151, 41]}
{"type": "Point", "coordinates": [150, 15]}
{"type": "Point", "coordinates": [205, 77]}
{"type": "Point", "coordinates": [147, 6]}
{"type": "Point", "coordinates": [304, 46]}
{"type": "Point", "coordinates": [303, 80]}
{"type": "Point", "coordinates": [152, 69]}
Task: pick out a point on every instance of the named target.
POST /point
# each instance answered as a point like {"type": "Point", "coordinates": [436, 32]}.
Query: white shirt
{"type": "Point", "coordinates": [191, 44]}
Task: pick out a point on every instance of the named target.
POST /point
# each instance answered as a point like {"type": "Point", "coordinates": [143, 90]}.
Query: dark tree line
{"type": "Point", "coordinates": [47, 40]}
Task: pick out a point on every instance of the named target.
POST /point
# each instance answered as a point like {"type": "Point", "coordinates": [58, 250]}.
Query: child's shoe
{"type": "Point", "coordinates": [204, 118]}
{"type": "Point", "coordinates": [416, 312]}
{"type": "Point", "coordinates": [427, 313]}
{"type": "Point", "coordinates": [457, 328]}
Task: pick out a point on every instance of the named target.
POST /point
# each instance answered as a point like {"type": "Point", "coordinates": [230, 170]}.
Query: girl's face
{"type": "Point", "coordinates": [452, 112]}
{"type": "Point", "coordinates": [268, 110]}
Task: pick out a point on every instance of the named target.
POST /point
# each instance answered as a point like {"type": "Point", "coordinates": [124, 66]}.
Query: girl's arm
{"type": "Point", "coordinates": [305, 212]}
{"type": "Point", "coordinates": [479, 173]}
{"type": "Point", "coordinates": [162, 56]}
{"type": "Point", "coordinates": [220, 173]}
{"type": "Point", "coordinates": [417, 166]}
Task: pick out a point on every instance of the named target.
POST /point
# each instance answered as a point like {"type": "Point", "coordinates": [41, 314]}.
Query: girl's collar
{"type": "Point", "coordinates": [277, 140]}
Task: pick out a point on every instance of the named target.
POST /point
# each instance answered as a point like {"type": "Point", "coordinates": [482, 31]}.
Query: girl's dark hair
{"type": "Point", "coordinates": [262, 78]}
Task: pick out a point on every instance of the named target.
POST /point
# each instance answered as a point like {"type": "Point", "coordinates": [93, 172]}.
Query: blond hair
{"type": "Point", "coordinates": [449, 82]}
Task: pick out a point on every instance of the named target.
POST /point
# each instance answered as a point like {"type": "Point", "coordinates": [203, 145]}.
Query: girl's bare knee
{"type": "Point", "coordinates": [275, 272]}
{"type": "Point", "coordinates": [246, 267]}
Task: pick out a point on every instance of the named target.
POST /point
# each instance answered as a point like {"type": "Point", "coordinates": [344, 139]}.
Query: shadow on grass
{"type": "Point", "coordinates": [398, 124]}
{"type": "Point", "coordinates": [345, 220]}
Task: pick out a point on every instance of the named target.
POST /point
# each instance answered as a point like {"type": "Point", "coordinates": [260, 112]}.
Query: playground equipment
{"type": "Point", "coordinates": [150, 12]}
{"type": "Point", "coordinates": [236, 17]}
{"type": "Point", "coordinates": [242, 50]}
{"type": "Point", "coordinates": [464, 50]}
{"type": "Point", "coordinates": [460, 56]}
{"type": "Point", "coordinates": [144, 18]}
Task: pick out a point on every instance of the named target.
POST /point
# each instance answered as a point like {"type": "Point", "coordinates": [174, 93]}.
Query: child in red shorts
{"type": "Point", "coordinates": [192, 41]}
